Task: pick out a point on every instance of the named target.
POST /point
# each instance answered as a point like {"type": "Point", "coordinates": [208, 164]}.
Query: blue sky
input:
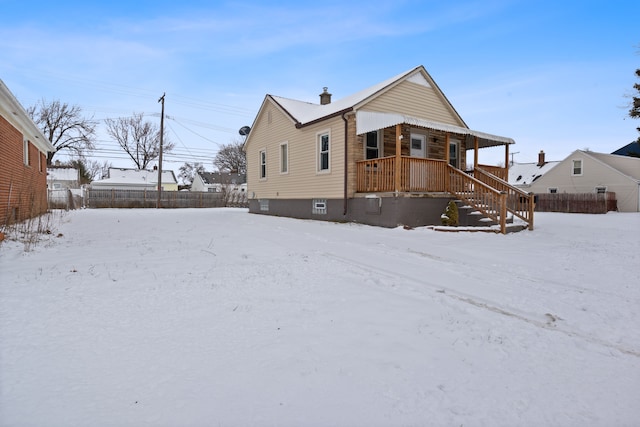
{"type": "Point", "coordinates": [552, 75]}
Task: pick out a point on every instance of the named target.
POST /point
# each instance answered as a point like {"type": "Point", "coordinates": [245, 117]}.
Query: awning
{"type": "Point", "coordinates": [368, 121]}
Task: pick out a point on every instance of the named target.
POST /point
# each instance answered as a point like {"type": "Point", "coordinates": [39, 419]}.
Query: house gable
{"type": "Point", "coordinates": [594, 174]}
{"type": "Point", "coordinates": [428, 102]}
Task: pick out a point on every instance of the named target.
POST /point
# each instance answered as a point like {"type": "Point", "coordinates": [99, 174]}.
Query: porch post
{"type": "Point", "coordinates": [398, 170]}
{"type": "Point", "coordinates": [506, 157]}
{"type": "Point", "coordinates": [447, 152]}
{"type": "Point", "coordinates": [475, 153]}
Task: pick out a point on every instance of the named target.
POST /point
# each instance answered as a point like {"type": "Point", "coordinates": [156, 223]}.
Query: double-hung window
{"type": "Point", "coordinates": [324, 152]}
{"type": "Point", "coordinates": [372, 145]}
{"type": "Point", "coordinates": [284, 157]}
{"type": "Point", "coordinates": [27, 158]}
{"type": "Point", "coordinates": [576, 167]}
{"type": "Point", "coordinates": [263, 164]}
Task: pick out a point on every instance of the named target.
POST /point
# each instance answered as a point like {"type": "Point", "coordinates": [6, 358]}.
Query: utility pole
{"type": "Point", "coordinates": [159, 203]}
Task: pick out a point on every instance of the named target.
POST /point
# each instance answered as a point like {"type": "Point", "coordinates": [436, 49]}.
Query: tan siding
{"type": "Point", "coordinates": [595, 174]}
{"type": "Point", "coordinates": [424, 103]}
{"type": "Point", "coordinates": [302, 181]}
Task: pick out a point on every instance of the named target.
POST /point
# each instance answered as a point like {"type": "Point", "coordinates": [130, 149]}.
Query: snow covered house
{"type": "Point", "coordinates": [136, 179]}
{"type": "Point", "coordinates": [23, 162]}
{"type": "Point", "coordinates": [389, 155]}
{"type": "Point", "coordinates": [590, 172]}
{"type": "Point", "coordinates": [63, 177]}
{"type": "Point", "coordinates": [215, 181]}
{"type": "Point", "coordinates": [522, 175]}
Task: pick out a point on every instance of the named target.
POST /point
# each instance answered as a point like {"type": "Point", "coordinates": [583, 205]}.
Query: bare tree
{"type": "Point", "coordinates": [64, 126]}
{"type": "Point", "coordinates": [188, 172]}
{"type": "Point", "coordinates": [139, 138]}
{"type": "Point", "coordinates": [231, 158]}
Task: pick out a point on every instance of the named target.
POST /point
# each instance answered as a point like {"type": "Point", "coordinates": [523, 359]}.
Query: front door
{"type": "Point", "coordinates": [454, 153]}
{"type": "Point", "coordinates": [418, 145]}
{"type": "Point", "coordinates": [417, 173]}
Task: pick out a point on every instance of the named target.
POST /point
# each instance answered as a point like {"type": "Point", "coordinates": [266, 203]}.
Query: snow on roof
{"type": "Point", "coordinates": [63, 174]}
{"type": "Point", "coordinates": [305, 112]}
{"type": "Point", "coordinates": [527, 173]}
{"type": "Point", "coordinates": [136, 176]}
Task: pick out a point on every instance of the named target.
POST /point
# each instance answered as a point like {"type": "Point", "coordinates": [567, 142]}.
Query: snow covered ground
{"type": "Point", "coordinates": [217, 317]}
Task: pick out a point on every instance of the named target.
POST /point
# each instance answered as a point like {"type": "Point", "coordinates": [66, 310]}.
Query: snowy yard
{"type": "Point", "coordinates": [217, 317]}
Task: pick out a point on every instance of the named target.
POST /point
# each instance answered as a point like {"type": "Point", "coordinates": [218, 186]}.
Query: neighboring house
{"type": "Point", "coordinates": [136, 179]}
{"type": "Point", "coordinates": [215, 181]}
{"type": "Point", "coordinates": [522, 175]}
{"type": "Point", "coordinates": [23, 162]}
{"type": "Point", "coordinates": [589, 172]}
{"type": "Point", "coordinates": [389, 155]}
{"type": "Point", "coordinates": [62, 178]}
{"type": "Point", "coordinates": [632, 149]}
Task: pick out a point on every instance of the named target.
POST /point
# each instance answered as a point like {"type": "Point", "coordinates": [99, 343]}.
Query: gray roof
{"type": "Point", "coordinates": [222, 177]}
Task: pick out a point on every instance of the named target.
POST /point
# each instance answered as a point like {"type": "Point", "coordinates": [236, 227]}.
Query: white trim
{"type": "Point", "coordinates": [424, 139]}
{"type": "Point", "coordinates": [261, 176]}
{"type": "Point", "coordinates": [367, 121]}
{"type": "Point", "coordinates": [455, 143]}
{"type": "Point", "coordinates": [319, 136]}
{"type": "Point", "coordinates": [17, 116]}
{"type": "Point", "coordinates": [25, 152]}
{"type": "Point", "coordinates": [573, 168]}
{"type": "Point", "coordinates": [285, 170]}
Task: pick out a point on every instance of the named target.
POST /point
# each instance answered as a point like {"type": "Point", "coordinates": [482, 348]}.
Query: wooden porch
{"type": "Point", "coordinates": [484, 191]}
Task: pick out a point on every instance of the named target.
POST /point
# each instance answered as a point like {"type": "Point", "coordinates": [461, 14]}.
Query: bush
{"type": "Point", "coordinates": [450, 215]}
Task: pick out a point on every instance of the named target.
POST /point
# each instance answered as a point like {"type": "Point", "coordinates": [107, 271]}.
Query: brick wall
{"type": "Point", "coordinates": [23, 188]}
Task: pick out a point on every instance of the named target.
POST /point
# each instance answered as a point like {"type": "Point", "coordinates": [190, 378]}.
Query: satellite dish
{"type": "Point", "coordinates": [244, 130]}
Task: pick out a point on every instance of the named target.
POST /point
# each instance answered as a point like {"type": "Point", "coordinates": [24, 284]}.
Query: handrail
{"type": "Point", "coordinates": [492, 196]}
{"type": "Point", "coordinates": [484, 198]}
{"type": "Point", "coordinates": [502, 173]}
{"type": "Point", "coordinates": [519, 203]}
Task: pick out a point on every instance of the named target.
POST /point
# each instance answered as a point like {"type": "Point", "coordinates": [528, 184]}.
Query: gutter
{"type": "Point", "coordinates": [323, 118]}
{"type": "Point", "coordinates": [346, 163]}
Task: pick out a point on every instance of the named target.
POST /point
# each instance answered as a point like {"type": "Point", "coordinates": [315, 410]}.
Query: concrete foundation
{"type": "Point", "coordinates": [381, 210]}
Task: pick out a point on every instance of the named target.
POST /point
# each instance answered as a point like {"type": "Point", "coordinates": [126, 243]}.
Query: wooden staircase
{"type": "Point", "coordinates": [486, 200]}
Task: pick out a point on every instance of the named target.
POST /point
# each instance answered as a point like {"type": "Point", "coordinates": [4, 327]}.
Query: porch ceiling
{"type": "Point", "coordinates": [367, 121]}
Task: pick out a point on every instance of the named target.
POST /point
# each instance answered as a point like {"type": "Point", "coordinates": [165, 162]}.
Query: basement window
{"type": "Point", "coordinates": [319, 207]}
{"type": "Point", "coordinates": [264, 205]}
{"type": "Point", "coordinates": [601, 190]}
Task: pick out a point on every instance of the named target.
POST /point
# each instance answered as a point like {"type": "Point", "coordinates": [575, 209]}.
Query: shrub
{"type": "Point", "coordinates": [450, 215]}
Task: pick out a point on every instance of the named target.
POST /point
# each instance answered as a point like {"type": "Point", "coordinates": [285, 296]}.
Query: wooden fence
{"type": "Point", "coordinates": [594, 203]}
{"type": "Point", "coordinates": [111, 198]}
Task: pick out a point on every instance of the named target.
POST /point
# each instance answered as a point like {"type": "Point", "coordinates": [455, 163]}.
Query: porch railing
{"type": "Point", "coordinates": [419, 175]}
{"type": "Point", "coordinates": [376, 175]}
{"type": "Point", "coordinates": [519, 203]}
{"type": "Point", "coordinates": [502, 173]}
{"type": "Point", "coordinates": [482, 197]}
{"type": "Point", "coordinates": [488, 194]}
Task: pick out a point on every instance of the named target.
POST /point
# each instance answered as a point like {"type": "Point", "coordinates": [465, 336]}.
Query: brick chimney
{"type": "Point", "coordinates": [325, 97]}
{"type": "Point", "coordinates": [541, 161]}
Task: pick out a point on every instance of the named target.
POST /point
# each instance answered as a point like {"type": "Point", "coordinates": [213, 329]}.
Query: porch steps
{"type": "Point", "coordinates": [468, 216]}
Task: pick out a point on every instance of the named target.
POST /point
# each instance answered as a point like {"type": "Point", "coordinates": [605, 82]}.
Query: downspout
{"type": "Point", "coordinates": [346, 163]}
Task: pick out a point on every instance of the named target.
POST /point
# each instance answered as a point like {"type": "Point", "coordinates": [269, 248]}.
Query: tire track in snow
{"type": "Point", "coordinates": [549, 324]}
